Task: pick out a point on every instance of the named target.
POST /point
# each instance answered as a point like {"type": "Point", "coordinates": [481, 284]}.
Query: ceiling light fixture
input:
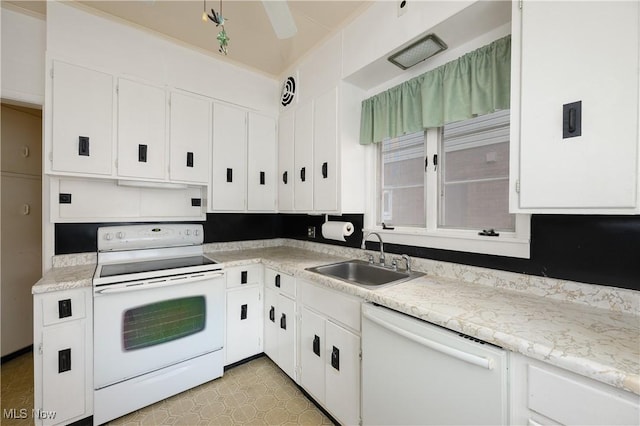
{"type": "Point", "coordinates": [218, 19]}
{"type": "Point", "coordinates": [418, 51]}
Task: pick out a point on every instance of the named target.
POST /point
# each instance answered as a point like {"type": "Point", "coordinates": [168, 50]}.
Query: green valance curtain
{"type": "Point", "coordinates": [474, 84]}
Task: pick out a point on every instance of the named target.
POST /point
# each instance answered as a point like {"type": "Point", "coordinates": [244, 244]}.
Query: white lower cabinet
{"type": "Point", "coordinates": [542, 394]}
{"type": "Point", "coordinates": [63, 391]}
{"type": "Point", "coordinates": [330, 351]}
{"type": "Point", "coordinates": [280, 328]}
{"type": "Point", "coordinates": [244, 313]}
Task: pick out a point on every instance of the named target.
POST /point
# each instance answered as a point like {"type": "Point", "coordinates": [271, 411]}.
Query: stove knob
{"type": "Point", "coordinates": [108, 236]}
{"type": "Point", "coordinates": [187, 232]}
{"type": "Point", "coordinates": [120, 235]}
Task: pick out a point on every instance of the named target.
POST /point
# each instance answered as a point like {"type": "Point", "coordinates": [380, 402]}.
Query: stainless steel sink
{"type": "Point", "coordinates": [364, 274]}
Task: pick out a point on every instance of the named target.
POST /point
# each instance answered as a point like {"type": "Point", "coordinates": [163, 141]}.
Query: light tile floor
{"type": "Point", "coordinates": [254, 393]}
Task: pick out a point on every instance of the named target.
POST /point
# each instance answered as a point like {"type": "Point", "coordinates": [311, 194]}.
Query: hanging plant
{"type": "Point", "coordinates": [219, 20]}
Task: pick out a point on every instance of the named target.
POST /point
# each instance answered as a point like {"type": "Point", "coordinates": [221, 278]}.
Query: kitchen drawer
{"type": "Point", "coordinates": [244, 275]}
{"type": "Point", "coordinates": [334, 304]}
{"type": "Point", "coordinates": [570, 399]}
{"type": "Point", "coordinates": [62, 306]}
{"type": "Point", "coordinates": [284, 283]}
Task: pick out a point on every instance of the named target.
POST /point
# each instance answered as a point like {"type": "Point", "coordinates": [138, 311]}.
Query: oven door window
{"type": "Point", "coordinates": [161, 322]}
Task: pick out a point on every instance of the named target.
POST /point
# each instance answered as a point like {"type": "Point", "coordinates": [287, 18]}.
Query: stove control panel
{"type": "Point", "coordinates": [133, 237]}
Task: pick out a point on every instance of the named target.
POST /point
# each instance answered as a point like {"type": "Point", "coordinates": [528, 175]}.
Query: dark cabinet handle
{"type": "Point", "coordinates": [243, 312]}
{"type": "Point", "coordinates": [83, 145]}
{"type": "Point", "coordinates": [325, 172]}
{"type": "Point", "coordinates": [261, 178]}
{"type": "Point", "coordinates": [272, 314]}
{"type": "Point", "coordinates": [64, 308]}
{"type": "Point", "coordinates": [285, 177]}
{"type": "Point", "coordinates": [303, 174]}
{"type": "Point", "coordinates": [435, 162]}
{"type": "Point", "coordinates": [64, 360]}
{"type": "Point", "coordinates": [229, 175]}
{"type": "Point", "coordinates": [244, 277]}
{"type": "Point", "coordinates": [316, 345]}
{"type": "Point", "coordinates": [189, 159]}
{"type": "Point", "coordinates": [335, 358]}
{"type": "Point", "coordinates": [277, 281]}
{"type": "Point", "coordinates": [572, 120]}
{"type": "Point", "coordinates": [142, 153]}
{"type": "Point", "coordinates": [283, 321]}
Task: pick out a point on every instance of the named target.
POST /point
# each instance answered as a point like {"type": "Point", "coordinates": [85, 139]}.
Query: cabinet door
{"type": "Point", "coordinates": [189, 138]}
{"type": "Point", "coordinates": [343, 374]}
{"type": "Point", "coordinates": [229, 164]}
{"type": "Point", "coordinates": [303, 154]}
{"type": "Point", "coordinates": [63, 381]}
{"type": "Point", "coordinates": [244, 324]}
{"type": "Point", "coordinates": [261, 164]}
{"type": "Point", "coordinates": [312, 354]}
{"type": "Point", "coordinates": [287, 336]}
{"type": "Point", "coordinates": [325, 158]}
{"type": "Point", "coordinates": [271, 324]}
{"type": "Point", "coordinates": [141, 130]}
{"type": "Point", "coordinates": [82, 120]}
{"type": "Point", "coordinates": [286, 173]}
{"type": "Point", "coordinates": [598, 168]}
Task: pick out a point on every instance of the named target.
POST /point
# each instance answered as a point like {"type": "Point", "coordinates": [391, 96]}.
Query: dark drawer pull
{"type": "Point", "coordinates": [277, 281]}
{"type": "Point", "coordinates": [64, 360]}
{"type": "Point", "coordinates": [189, 159]}
{"type": "Point", "coordinates": [142, 153]}
{"type": "Point", "coordinates": [64, 308]}
{"type": "Point", "coordinates": [285, 177]}
{"type": "Point", "coordinates": [83, 145]}
{"type": "Point", "coordinates": [335, 358]}
{"type": "Point", "coordinates": [303, 172]}
{"type": "Point", "coordinates": [283, 321]}
{"type": "Point", "coordinates": [316, 345]}
{"type": "Point", "coordinates": [243, 277]}
{"type": "Point", "coordinates": [272, 314]}
{"type": "Point", "coordinates": [261, 178]}
{"type": "Point", "coordinates": [325, 171]}
{"type": "Point", "coordinates": [229, 175]}
{"type": "Point", "coordinates": [243, 312]}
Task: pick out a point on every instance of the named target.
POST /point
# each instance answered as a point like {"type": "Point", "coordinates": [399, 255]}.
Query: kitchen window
{"type": "Point", "coordinates": [448, 188]}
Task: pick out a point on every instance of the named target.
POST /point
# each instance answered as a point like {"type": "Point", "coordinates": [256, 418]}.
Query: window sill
{"type": "Point", "coordinates": [507, 244]}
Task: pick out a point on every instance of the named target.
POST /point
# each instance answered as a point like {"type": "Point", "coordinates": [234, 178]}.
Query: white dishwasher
{"type": "Point", "coordinates": [417, 373]}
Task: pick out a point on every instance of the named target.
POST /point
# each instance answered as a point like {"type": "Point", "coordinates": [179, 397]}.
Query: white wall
{"type": "Point", "coordinates": [23, 53]}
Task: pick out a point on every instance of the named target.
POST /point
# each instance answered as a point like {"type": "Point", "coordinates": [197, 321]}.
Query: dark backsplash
{"type": "Point", "coordinates": [601, 250]}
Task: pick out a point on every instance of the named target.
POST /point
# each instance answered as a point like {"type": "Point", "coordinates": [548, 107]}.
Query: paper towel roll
{"type": "Point", "coordinates": [337, 230]}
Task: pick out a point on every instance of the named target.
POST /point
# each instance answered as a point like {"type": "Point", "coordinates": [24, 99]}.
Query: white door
{"type": "Point", "coordinates": [312, 354]}
{"type": "Point", "coordinates": [141, 130]}
{"type": "Point", "coordinates": [244, 324]}
{"type": "Point", "coordinates": [597, 169]}
{"type": "Point", "coordinates": [82, 120]}
{"type": "Point", "coordinates": [303, 154]}
{"type": "Point", "coordinates": [270, 344]}
{"type": "Point", "coordinates": [287, 336]}
{"type": "Point", "coordinates": [343, 374]}
{"type": "Point", "coordinates": [190, 135]}
{"type": "Point", "coordinates": [229, 161]}
{"type": "Point", "coordinates": [325, 158]}
{"type": "Point", "coordinates": [286, 173]}
{"type": "Point", "coordinates": [261, 165]}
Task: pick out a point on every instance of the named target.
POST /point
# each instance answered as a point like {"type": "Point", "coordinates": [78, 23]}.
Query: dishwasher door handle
{"type": "Point", "coordinates": [439, 347]}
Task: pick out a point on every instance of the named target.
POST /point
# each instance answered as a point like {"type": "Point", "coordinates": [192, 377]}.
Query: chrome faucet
{"type": "Point", "coordinates": [407, 259]}
{"type": "Point", "coordinates": [363, 246]}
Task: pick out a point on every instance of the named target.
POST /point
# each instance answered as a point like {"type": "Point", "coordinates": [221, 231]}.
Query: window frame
{"type": "Point", "coordinates": [511, 244]}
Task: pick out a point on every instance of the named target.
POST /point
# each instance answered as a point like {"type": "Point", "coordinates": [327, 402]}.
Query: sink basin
{"type": "Point", "coordinates": [364, 274]}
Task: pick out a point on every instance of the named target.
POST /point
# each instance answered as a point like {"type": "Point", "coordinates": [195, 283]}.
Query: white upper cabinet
{"type": "Point", "coordinates": [141, 130]}
{"type": "Point", "coordinates": [303, 155]}
{"type": "Point", "coordinates": [261, 163]}
{"type": "Point", "coordinates": [325, 154]}
{"type": "Point", "coordinates": [190, 135]}
{"type": "Point", "coordinates": [285, 162]}
{"type": "Point", "coordinates": [82, 121]}
{"type": "Point", "coordinates": [574, 141]}
{"type": "Point", "coordinates": [229, 161]}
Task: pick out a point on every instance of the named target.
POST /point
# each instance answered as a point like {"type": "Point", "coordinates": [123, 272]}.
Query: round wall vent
{"type": "Point", "coordinates": [288, 91]}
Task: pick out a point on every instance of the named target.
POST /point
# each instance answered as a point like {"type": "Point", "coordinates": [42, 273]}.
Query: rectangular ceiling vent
{"type": "Point", "coordinates": [418, 51]}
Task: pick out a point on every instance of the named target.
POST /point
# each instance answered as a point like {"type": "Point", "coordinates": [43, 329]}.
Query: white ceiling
{"type": "Point", "coordinates": [252, 40]}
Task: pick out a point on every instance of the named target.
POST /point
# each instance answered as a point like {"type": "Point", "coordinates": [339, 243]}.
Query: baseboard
{"type": "Point", "coordinates": [16, 354]}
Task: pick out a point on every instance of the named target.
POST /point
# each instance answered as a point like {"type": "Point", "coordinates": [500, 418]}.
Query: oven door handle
{"type": "Point", "coordinates": [164, 283]}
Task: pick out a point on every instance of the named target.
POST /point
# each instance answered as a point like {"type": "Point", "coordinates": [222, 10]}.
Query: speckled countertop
{"type": "Point", "coordinates": [583, 337]}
